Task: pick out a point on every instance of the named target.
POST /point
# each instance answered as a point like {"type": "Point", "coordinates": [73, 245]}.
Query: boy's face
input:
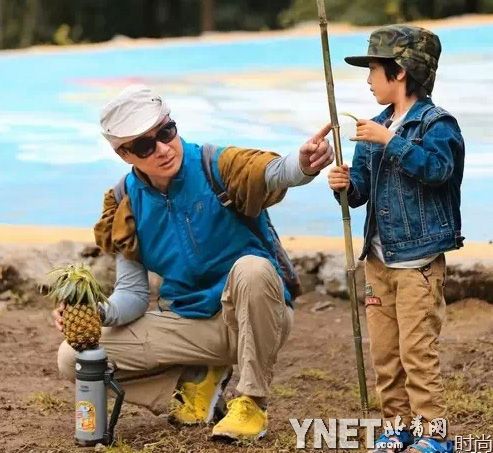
{"type": "Point", "coordinates": [385, 91]}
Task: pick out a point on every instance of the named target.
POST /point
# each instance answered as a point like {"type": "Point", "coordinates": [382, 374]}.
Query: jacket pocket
{"type": "Point", "coordinates": [191, 236]}
{"type": "Point", "coordinates": [439, 210]}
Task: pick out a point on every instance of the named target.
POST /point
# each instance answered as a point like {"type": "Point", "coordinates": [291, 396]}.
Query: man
{"type": "Point", "coordinates": [407, 169]}
{"type": "Point", "coordinates": [225, 298]}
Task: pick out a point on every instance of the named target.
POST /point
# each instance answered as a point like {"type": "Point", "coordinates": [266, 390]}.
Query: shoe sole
{"type": "Point", "coordinates": [236, 437]}
{"type": "Point", "coordinates": [218, 393]}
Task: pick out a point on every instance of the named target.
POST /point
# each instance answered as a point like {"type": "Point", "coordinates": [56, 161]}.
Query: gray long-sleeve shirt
{"type": "Point", "coordinates": [130, 299]}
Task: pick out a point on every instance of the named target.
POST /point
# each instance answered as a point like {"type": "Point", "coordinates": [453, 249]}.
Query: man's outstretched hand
{"type": "Point", "coordinates": [316, 153]}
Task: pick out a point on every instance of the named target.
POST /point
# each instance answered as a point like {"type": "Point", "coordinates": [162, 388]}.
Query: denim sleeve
{"type": "Point", "coordinates": [130, 297]}
{"type": "Point", "coordinates": [359, 189]}
{"type": "Point", "coordinates": [432, 161]}
{"type": "Point", "coordinates": [284, 172]}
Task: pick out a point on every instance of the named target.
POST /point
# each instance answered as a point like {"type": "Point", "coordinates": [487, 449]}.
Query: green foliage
{"type": "Point", "coordinates": [27, 22]}
{"type": "Point", "coordinates": [379, 12]}
{"type": "Point", "coordinates": [487, 6]}
{"type": "Point", "coordinates": [62, 35]}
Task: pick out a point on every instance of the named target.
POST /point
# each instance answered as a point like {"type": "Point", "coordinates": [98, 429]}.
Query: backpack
{"type": "Point", "coordinates": [288, 272]}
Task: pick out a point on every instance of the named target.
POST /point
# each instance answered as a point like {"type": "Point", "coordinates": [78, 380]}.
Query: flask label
{"type": "Point", "coordinates": [85, 417]}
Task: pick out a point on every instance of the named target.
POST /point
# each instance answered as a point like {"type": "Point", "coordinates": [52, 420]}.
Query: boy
{"type": "Point", "coordinates": [407, 168]}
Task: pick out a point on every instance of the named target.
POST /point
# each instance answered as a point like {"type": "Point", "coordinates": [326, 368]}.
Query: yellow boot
{"type": "Point", "coordinates": [196, 402]}
{"type": "Point", "coordinates": [244, 420]}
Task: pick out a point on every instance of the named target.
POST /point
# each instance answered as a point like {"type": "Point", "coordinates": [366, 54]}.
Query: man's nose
{"type": "Point", "coordinates": [162, 148]}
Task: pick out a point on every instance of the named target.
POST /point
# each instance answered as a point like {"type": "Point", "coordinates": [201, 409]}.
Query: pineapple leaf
{"type": "Point", "coordinates": [75, 284]}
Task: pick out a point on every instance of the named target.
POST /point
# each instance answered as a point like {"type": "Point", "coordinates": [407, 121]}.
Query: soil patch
{"type": "Point", "coordinates": [316, 378]}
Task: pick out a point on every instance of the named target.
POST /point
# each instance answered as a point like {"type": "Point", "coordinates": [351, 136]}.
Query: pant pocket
{"type": "Point", "coordinates": [436, 312]}
{"type": "Point", "coordinates": [129, 346]}
{"type": "Point", "coordinates": [434, 300]}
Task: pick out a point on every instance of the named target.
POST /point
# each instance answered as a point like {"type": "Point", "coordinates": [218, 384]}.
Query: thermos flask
{"type": "Point", "coordinates": [93, 376]}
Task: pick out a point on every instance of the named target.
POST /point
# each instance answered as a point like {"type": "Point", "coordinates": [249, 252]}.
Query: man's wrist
{"type": "Point", "coordinates": [102, 313]}
{"type": "Point", "coordinates": [309, 174]}
{"type": "Point", "coordinates": [306, 172]}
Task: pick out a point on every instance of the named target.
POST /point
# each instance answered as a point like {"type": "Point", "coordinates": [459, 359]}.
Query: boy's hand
{"type": "Point", "coordinates": [370, 131]}
{"type": "Point", "coordinates": [316, 153]}
{"type": "Point", "coordinates": [339, 178]}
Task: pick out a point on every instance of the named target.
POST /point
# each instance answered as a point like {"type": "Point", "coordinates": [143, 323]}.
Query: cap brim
{"type": "Point", "coordinates": [364, 61]}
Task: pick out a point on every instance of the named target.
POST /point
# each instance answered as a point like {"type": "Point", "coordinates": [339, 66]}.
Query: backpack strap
{"type": "Point", "coordinates": [223, 197]}
{"type": "Point", "coordinates": [120, 189]}
{"type": "Point", "coordinates": [207, 155]}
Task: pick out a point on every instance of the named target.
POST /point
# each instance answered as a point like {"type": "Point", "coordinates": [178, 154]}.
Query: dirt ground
{"type": "Point", "coordinates": [316, 378]}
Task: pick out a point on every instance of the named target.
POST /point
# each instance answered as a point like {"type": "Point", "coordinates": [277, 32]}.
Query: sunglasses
{"type": "Point", "coordinates": [145, 146]}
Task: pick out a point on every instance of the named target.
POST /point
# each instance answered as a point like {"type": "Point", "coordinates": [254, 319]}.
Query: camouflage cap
{"type": "Point", "coordinates": [415, 49]}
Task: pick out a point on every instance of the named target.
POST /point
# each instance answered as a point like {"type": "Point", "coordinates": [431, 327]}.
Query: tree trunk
{"type": "Point", "coordinates": [29, 23]}
{"type": "Point", "coordinates": [2, 25]}
{"type": "Point", "coordinates": [208, 8]}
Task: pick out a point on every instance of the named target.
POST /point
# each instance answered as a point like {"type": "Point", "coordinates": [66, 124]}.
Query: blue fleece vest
{"type": "Point", "coordinates": [189, 239]}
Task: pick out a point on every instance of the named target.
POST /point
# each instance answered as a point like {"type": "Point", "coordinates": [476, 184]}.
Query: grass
{"type": "Point", "coordinates": [284, 391]}
{"type": "Point", "coordinates": [373, 403]}
{"type": "Point", "coordinates": [46, 402]}
{"type": "Point", "coordinates": [314, 373]}
{"type": "Point", "coordinates": [464, 401]}
{"type": "Point", "coordinates": [469, 406]}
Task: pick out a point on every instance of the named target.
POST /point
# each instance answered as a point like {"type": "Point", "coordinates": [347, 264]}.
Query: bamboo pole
{"type": "Point", "coordinates": [346, 218]}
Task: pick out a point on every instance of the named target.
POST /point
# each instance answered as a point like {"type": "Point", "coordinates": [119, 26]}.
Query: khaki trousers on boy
{"type": "Point", "coordinates": [405, 309]}
{"type": "Point", "coordinates": [151, 353]}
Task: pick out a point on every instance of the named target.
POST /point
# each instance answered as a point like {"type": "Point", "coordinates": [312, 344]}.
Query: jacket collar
{"type": "Point", "coordinates": [415, 114]}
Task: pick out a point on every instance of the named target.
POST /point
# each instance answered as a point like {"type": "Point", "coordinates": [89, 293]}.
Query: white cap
{"type": "Point", "coordinates": [133, 112]}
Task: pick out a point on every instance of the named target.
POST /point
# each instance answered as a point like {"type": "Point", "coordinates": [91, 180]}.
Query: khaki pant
{"type": "Point", "coordinates": [405, 309]}
{"type": "Point", "coordinates": [150, 353]}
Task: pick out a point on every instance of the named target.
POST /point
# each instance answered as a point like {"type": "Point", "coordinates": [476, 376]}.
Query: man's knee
{"type": "Point", "coordinates": [66, 361]}
{"type": "Point", "coordinates": [255, 269]}
{"type": "Point", "coordinates": [255, 280]}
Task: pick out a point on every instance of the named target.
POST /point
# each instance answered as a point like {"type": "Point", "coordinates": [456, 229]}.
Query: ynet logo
{"type": "Point", "coordinates": [335, 433]}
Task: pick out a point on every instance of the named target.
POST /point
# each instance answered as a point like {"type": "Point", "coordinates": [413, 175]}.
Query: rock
{"type": "Point", "coordinates": [104, 269]}
{"type": "Point", "coordinates": [322, 306]}
{"type": "Point", "coordinates": [326, 274]}
{"type": "Point", "coordinates": [24, 269]}
{"type": "Point", "coordinates": [27, 267]}
{"type": "Point", "coordinates": [7, 295]}
{"type": "Point", "coordinates": [469, 281]}
{"type": "Point", "coordinates": [307, 263]}
{"type": "Point", "coordinates": [9, 277]}
{"type": "Point", "coordinates": [309, 282]}
{"type": "Point", "coordinates": [92, 251]}
{"type": "Point", "coordinates": [333, 275]}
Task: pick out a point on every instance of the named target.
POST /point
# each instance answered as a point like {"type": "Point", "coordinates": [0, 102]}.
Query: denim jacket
{"type": "Point", "coordinates": [412, 185]}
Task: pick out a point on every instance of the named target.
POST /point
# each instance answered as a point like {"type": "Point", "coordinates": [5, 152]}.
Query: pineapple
{"type": "Point", "coordinates": [76, 286]}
